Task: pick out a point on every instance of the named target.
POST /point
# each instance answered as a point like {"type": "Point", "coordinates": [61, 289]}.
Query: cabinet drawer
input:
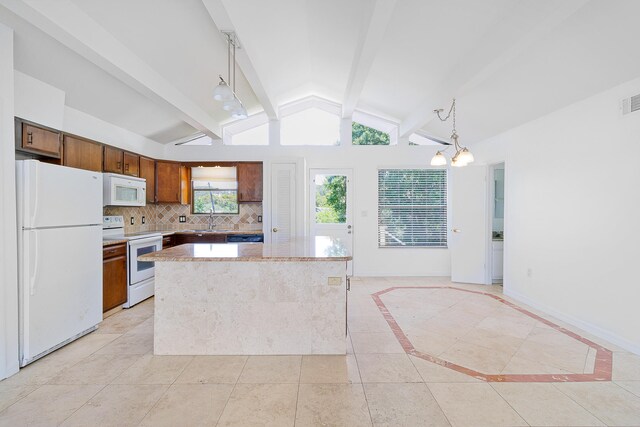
{"type": "Point", "coordinates": [114, 250]}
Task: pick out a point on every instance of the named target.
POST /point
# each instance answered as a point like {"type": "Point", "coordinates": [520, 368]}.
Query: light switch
{"type": "Point", "coordinates": [335, 281]}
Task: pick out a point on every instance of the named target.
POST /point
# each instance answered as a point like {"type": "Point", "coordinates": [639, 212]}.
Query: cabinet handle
{"type": "Point", "coordinates": [118, 165]}
{"type": "Point", "coordinates": [29, 138]}
{"type": "Point", "coordinates": [126, 166]}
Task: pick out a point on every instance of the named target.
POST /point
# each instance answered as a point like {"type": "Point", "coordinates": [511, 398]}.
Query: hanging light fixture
{"type": "Point", "coordinates": [224, 92]}
{"type": "Point", "coordinates": [463, 156]}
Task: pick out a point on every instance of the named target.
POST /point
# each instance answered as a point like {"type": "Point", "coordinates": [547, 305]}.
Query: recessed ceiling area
{"type": "Point", "coordinates": [150, 66]}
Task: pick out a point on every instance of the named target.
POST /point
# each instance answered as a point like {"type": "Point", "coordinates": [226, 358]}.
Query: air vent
{"type": "Point", "coordinates": [630, 105]}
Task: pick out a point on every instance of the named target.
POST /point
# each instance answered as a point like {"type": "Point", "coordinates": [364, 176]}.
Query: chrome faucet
{"type": "Point", "coordinates": [210, 220]}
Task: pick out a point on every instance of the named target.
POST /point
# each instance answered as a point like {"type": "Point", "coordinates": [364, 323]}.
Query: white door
{"type": "Point", "coordinates": [57, 196]}
{"type": "Point", "coordinates": [468, 224]}
{"type": "Point", "coordinates": [283, 202]}
{"type": "Point", "coordinates": [60, 286]}
{"type": "Point", "coordinates": [330, 206]}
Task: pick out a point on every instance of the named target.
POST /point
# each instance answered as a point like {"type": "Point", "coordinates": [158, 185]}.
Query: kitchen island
{"type": "Point", "coordinates": [251, 298]}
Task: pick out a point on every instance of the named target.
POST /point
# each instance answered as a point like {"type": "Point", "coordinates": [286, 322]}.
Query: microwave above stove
{"type": "Point", "coordinates": [122, 190]}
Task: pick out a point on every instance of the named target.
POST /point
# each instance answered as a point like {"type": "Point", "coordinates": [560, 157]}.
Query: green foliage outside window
{"type": "Point", "coordinates": [364, 135]}
{"type": "Point", "coordinates": [331, 200]}
{"type": "Point", "coordinates": [207, 201]}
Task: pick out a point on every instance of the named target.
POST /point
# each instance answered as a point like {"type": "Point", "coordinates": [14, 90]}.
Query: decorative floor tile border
{"type": "Point", "coordinates": [602, 366]}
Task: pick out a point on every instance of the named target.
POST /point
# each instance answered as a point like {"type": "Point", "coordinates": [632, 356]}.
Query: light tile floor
{"type": "Point", "coordinates": [111, 377]}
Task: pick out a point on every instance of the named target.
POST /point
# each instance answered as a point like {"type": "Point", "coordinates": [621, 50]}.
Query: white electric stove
{"type": "Point", "coordinates": [140, 275]}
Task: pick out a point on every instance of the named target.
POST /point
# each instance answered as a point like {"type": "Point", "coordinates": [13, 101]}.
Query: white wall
{"type": "Point", "coordinates": [8, 226]}
{"type": "Point", "coordinates": [42, 103]}
{"type": "Point", "coordinates": [571, 214]}
{"type": "Point", "coordinates": [369, 260]}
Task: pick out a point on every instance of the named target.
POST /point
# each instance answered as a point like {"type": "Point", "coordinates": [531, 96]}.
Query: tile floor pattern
{"type": "Point", "coordinates": [111, 377]}
{"type": "Point", "coordinates": [485, 336]}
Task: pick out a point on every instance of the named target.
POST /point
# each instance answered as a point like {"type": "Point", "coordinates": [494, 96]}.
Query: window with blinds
{"type": "Point", "coordinates": [412, 208]}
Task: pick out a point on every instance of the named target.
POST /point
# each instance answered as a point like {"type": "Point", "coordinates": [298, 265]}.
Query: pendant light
{"type": "Point", "coordinates": [223, 92]}
{"type": "Point", "coordinates": [463, 156]}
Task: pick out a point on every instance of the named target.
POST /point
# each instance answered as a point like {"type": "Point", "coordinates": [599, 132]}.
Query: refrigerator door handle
{"type": "Point", "coordinates": [34, 275]}
{"type": "Point", "coordinates": [34, 210]}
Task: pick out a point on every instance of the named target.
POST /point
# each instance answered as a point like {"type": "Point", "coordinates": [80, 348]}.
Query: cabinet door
{"type": "Point", "coordinates": [249, 182]}
{"type": "Point", "coordinates": [148, 172]}
{"type": "Point", "coordinates": [82, 154]}
{"type": "Point", "coordinates": [168, 179]}
{"type": "Point", "coordinates": [131, 166]}
{"type": "Point", "coordinates": [40, 140]}
{"type": "Point", "coordinates": [114, 277]}
{"type": "Point", "coordinates": [113, 159]}
{"type": "Point", "coordinates": [167, 242]}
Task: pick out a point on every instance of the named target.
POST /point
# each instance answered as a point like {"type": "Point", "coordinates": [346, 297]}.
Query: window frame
{"type": "Point", "coordinates": [445, 216]}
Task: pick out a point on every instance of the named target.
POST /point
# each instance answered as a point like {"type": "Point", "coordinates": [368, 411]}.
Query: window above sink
{"type": "Point", "coordinates": [214, 190]}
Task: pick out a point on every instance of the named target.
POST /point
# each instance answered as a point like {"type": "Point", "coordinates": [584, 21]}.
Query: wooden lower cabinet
{"type": "Point", "coordinates": [114, 276]}
{"type": "Point", "coordinates": [181, 239]}
{"type": "Point", "coordinates": [168, 242]}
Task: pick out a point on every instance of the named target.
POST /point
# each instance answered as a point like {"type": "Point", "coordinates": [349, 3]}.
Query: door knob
{"type": "Point", "coordinates": [275, 229]}
{"type": "Point", "coordinates": [456, 230]}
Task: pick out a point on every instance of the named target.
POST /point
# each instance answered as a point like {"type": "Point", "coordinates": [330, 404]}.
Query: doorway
{"type": "Point", "coordinates": [330, 206]}
{"type": "Point", "coordinates": [496, 208]}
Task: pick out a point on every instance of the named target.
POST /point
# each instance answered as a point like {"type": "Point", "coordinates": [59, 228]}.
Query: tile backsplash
{"type": "Point", "coordinates": [165, 217]}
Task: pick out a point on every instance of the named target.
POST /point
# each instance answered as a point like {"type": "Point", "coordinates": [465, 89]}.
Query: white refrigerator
{"type": "Point", "coordinates": [60, 255]}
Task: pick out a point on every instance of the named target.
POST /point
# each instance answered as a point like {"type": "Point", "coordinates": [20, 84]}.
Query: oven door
{"type": "Point", "coordinates": [142, 270]}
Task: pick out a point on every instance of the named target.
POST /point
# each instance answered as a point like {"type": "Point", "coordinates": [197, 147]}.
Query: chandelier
{"type": "Point", "coordinates": [223, 92]}
{"type": "Point", "coordinates": [463, 156]}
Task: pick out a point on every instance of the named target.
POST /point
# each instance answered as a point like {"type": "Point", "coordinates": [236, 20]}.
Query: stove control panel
{"type": "Point", "coordinates": [113, 221]}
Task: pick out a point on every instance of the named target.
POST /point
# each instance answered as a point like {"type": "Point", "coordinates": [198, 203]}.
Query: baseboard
{"type": "Point", "coordinates": [578, 323]}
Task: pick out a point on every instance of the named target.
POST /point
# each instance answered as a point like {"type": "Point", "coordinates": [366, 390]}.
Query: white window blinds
{"type": "Point", "coordinates": [412, 208]}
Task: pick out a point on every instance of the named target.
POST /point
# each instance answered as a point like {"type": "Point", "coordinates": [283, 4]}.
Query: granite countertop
{"type": "Point", "coordinates": [320, 248]}
{"type": "Point", "coordinates": [113, 242]}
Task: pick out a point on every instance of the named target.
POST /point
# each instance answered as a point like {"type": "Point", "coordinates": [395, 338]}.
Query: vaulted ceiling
{"type": "Point", "coordinates": [150, 65]}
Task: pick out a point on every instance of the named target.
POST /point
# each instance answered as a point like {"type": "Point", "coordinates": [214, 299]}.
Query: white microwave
{"type": "Point", "coordinates": [121, 190]}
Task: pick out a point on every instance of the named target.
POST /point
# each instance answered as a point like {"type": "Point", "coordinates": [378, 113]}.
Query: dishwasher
{"type": "Point", "coordinates": [245, 238]}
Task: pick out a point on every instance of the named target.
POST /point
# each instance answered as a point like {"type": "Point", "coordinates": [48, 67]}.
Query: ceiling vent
{"type": "Point", "coordinates": [630, 105]}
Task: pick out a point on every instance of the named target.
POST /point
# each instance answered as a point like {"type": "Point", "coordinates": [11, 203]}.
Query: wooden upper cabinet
{"type": "Point", "coordinates": [40, 141]}
{"type": "Point", "coordinates": [113, 160]}
{"type": "Point", "coordinates": [82, 154]}
{"type": "Point", "coordinates": [131, 166]}
{"type": "Point", "coordinates": [148, 172]}
{"type": "Point", "coordinates": [168, 180]}
{"type": "Point", "coordinates": [249, 182]}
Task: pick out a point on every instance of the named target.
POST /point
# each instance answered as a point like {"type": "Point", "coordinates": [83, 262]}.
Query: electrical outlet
{"type": "Point", "coordinates": [259, 218]}
{"type": "Point", "coordinates": [335, 281]}
{"type": "Point", "coordinates": [182, 218]}
{"type": "Point", "coordinates": [143, 221]}
{"type": "Point", "coordinates": [529, 272]}
{"type": "Point", "coordinates": [132, 221]}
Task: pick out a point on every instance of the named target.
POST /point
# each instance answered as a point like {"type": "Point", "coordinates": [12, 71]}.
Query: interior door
{"type": "Point", "coordinates": [330, 206]}
{"type": "Point", "coordinates": [468, 239]}
{"type": "Point", "coordinates": [283, 202]}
